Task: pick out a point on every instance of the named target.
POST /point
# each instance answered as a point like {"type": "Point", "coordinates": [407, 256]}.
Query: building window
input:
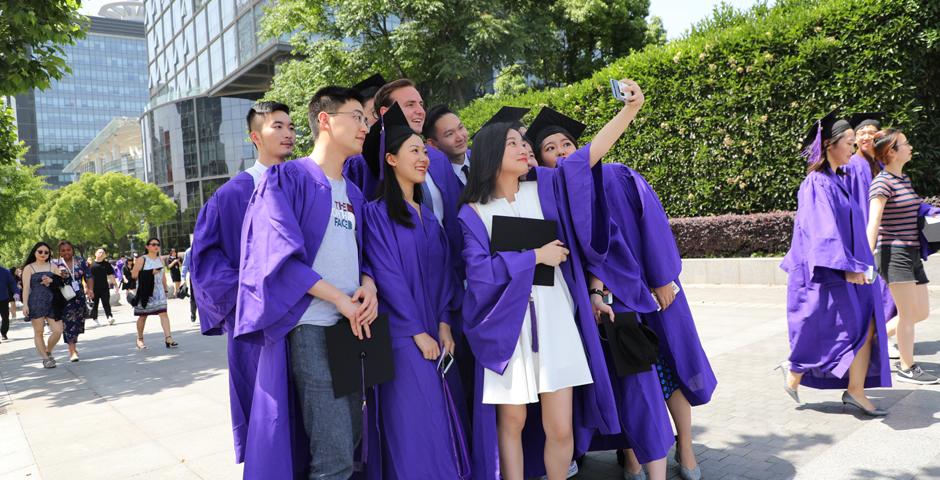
{"type": "Point", "coordinates": [231, 50]}
{"type": "Point", "coordinates": [246, 37]}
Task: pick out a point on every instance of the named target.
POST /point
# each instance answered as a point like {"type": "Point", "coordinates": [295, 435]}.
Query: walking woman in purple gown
{"type": "Point", "coordinates": [836, 323]}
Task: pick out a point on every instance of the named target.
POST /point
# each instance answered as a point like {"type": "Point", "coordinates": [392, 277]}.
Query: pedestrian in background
{"type": "Point", "coordinates": [74, 271]}
{"type": "Point", "coordinates": [102, 275]}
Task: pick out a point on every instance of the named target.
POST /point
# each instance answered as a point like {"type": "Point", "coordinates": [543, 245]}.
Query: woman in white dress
{"type": "Point", "coordinates": [536, 344]}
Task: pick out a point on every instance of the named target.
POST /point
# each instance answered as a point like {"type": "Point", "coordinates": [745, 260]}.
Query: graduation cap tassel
{"type": "Point", "coordinates": [364, 442]}
{"type": "Point", "coordinates": [535, 330]}
{"type": "Point", "coordinates": [813, 152]}
{"type": "Point", "coordinates": [458, 444]}
{"type": "Point", "coordinates": [382, 151]}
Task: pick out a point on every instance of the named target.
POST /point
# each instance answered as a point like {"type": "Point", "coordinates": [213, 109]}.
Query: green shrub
{"type": "Point", "coordinates": [727, 106]}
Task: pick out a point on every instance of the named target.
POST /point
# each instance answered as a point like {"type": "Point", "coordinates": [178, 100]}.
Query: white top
{"type": "Point", "coordinates": [458, 168]}
{"type": "Point", "coordinates": [561, 361]}
{"type": "Point", "coordinates": [437, 200]}
{"type": "Point", "coordinates": [337, 259]}
{"type": "Point", "coordinates": [256, 171]}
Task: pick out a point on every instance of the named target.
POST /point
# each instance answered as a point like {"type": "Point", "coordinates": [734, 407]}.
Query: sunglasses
{"type": "Point", "coordinates": [153, 244]}
{"type": "Point", "coordinates": [42, 252]}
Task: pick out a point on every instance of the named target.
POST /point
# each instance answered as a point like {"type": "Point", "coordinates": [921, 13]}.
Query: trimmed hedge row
{"type": "Point", "coordinates": [728, 105]}
{"type": "Point", "coordinates": [760, 234]}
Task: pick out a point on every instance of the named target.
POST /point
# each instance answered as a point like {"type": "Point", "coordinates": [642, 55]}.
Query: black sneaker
{"type": "Point", "coordinates": [915, 375]}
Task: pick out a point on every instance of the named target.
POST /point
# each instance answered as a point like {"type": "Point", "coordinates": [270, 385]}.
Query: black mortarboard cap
{"type": "Point", "coordinates": [392, 127]}
{"type": "Point", "coordinates": [549, 122]}
{"type": "Point", "coordinates": [372, 83]}
{"type": "Point", "coordinates": [507, 114]}
{"type": "Point", "coordinates": [634, 347]}
{"type": "Point", "coordinates": [860, 120]}
{"type": "Point", "coordinates": [823, 129]}
{"type": "Point", "coordinates": [355, 363]}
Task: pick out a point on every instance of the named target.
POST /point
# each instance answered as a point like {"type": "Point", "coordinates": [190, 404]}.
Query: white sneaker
{"type": "Point", "coordinates": [97, 323]}
{"type": "Point", "coordinates": [893, 352]}
{"type": "Point", "coordinates": [110, 320]}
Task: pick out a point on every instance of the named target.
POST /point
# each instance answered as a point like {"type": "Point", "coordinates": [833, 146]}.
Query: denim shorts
{"type": "Point", "coordinates": [900, 265]}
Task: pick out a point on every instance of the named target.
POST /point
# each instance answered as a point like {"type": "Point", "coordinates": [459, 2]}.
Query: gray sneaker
{"type": "Point", "coordinates": [915, 375]}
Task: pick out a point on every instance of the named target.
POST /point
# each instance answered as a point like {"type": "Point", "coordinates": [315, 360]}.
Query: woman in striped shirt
{"type": "Point", "coordinates": [894, 237]}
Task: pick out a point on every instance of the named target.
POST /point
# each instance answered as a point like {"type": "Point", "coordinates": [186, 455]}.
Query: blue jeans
{"type": "Point", "coordinates": [334, 425]}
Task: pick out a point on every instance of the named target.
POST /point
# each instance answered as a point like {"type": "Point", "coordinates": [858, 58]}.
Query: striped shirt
{"type": "Point", "coordinates": [899, 221]}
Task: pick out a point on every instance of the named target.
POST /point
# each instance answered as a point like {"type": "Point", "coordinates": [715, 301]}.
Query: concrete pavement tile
{"type": "Point", "coordinates": [112, 463]}
{"type": "Point", "coordinates": [218, 466]}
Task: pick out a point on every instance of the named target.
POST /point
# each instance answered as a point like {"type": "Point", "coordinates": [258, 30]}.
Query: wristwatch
{"type": "Point", "coordinates": [607, 298]}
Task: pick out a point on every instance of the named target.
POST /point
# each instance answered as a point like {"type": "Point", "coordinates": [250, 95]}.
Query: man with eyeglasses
{"type": "Point", "coordinates": [301, 272]}
{"type": "Point", "coordinates": [215, 254]}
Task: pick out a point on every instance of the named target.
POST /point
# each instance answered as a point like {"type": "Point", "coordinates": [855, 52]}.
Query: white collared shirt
{"type": "Point", "coordinates": [458, 169]}
{"type": "Point", "coordinates": [256, 171]}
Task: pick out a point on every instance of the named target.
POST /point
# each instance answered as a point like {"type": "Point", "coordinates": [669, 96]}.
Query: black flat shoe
{"type": "Point", "coordinates": [848, 399]}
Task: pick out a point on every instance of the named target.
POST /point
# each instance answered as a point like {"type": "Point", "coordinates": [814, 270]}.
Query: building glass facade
{"type": "Point", "coordinates": [108, 80]}
{"type": "Point", "coordinates": [206, 67]}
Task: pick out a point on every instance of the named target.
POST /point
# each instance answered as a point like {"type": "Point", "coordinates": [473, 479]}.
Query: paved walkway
{"type": "Point", "coordinates": [162, 414]}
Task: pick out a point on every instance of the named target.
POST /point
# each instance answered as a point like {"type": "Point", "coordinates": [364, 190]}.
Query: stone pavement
{"type": "Point", "coordinates": [162, 414]}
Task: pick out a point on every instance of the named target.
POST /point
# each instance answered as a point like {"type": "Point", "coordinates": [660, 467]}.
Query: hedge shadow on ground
{"type": "Point", "coordinates": [112, 368]}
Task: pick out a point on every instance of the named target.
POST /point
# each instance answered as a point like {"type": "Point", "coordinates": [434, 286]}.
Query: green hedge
{"type": "Point", "coordinates": [727, 105]}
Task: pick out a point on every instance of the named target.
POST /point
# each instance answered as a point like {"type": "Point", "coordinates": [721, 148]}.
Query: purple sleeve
{"type": "Point", "coordinates": [586, 203]}
{"type": "Point", "coordinates": [213, 273]}
{"type": "Point", "coordinates": [387, 270]}
{"type": "Point", "coordinates": [274, 272]}
{"type": "Point", "coordinates": [661, 261]}
{"type": "Point", "coordinates": [498, 290]}
{"type": "Point", "coordinates": [825, 247]}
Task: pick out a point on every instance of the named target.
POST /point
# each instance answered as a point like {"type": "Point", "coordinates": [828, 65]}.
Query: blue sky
{"type": "Point", "coordinates": [679, 15]}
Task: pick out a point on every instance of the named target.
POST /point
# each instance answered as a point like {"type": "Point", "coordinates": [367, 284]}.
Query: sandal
{"type": "Point", "coordinates": [140, 343]}
{"type": "Point", "coordinates": [170, 343]}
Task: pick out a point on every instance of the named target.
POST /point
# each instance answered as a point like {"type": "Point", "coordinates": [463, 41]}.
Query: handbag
{"type": "Point", "coordinates": [183, 292]}
{"type": "Point", "coordinates": [67, 292]}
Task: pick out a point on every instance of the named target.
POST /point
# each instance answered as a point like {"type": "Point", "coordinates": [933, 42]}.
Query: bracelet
{"type": "Point", "coordinates": [598, 292]}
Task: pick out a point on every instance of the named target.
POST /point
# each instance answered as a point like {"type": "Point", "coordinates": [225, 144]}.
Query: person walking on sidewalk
{"type": "Point", "coordinates": [173, 262]}
{"type": "Point", "coordinates": [42, 303]}
{"type": "Point", "coordinates": [151, 293]}
{"type": "Point", "coordinates": [102, 275]}
{"type": "Point", "coordinates": [7, 289]}
{"type": "Point", "coordinates": [895, 239]}
{"type": "Point", "coordinates": [74, 270]}
{"type": "Point", "coordinates": [189, 284]}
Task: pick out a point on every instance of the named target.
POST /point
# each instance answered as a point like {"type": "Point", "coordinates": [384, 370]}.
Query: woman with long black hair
{"type": "Point", "coordinates": [41, 305]}
{"type": "Point", "coordinates": [152, 291]}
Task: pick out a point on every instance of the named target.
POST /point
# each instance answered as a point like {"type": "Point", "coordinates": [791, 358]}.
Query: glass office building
{"type": "Point", "coordinates": [206, 67]}
{"type": "Point", "coordinates": [108, 80]}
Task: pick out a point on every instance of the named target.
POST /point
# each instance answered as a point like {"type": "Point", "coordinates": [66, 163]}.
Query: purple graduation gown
{"type": "Point", "coordinates": [828, 317]}
{"type": "Point", "coordinates": [422, 423]}
{"type": "Point", "coordinates": [858, 177]}
{"type": "Point", "coordinates": [641, 218]}
{"type": "Point", "coordinates": [283, 228]}
{"type": "Point", "coordinates": [214, 273]}
{"type": "Point", "coordinates": [497, 296]}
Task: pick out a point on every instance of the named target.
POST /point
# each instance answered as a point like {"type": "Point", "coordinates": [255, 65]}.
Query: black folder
{"type": "Point", "coordinates": [514, 234]}
{"type": "Point", "coordinates": [350, 357]}
{"type": "Point", "coordinates": [633, 346]}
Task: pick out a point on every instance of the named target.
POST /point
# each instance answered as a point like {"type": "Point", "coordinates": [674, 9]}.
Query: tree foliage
{"type": "Point", "coordinates": [105, 209]}
{"type": "Point", "coordinates": [32, 35]}
{"type": "Point", "coordinates": [728, 104]}
{"type": "Point", "coordinates": [454, 50]}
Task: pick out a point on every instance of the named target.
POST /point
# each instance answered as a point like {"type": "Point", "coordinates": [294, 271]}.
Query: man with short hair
{"type": "Point", "coordinates": [301, 271]}
{"type": "Point", "coordinates": [444, 131]}
{"type": "Point", "coordinates": [214, 256]}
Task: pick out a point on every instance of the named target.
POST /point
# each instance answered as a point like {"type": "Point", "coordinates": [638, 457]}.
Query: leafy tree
{"type": "Point", "coordinates": [453, 50]}
{"type": "Point", "coordinates": [510, 81]}
{"type": "Point", "coordinates": [22, 193]}
{"type": "Point", "coordinates": [105, 209]}
{"type": "Point", "coordinates": [655, 32]}
{"type": "Point", "coordinates": [32, 35]}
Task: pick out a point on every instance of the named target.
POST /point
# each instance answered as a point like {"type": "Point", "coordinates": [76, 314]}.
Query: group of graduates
{"type": "Point", "coordinates": [855, 265]}
{"type": "Point", "coordinates": [387, 227]}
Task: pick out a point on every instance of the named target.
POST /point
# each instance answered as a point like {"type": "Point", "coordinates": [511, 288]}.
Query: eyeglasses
{"type": "Point", "coordinates": [357, 116]}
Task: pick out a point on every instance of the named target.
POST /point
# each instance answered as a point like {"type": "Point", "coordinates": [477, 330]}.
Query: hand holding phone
{"type": "Point", "coordinates": [618, 90]}
{"type": "Point", "coordinates": [444, 362]}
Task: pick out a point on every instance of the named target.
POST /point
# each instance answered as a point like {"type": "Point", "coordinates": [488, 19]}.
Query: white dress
{"type": "Point", "coordinates": [560, 362]}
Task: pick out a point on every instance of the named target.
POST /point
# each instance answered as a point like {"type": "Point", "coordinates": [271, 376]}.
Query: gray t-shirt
{"type": "Point", "coordinates": [337, 259]}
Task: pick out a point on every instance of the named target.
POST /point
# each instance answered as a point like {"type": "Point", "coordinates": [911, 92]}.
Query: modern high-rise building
{"type": "Point", "coordinates": [108, 79]}
{"type": "Point", "coordinates": [206, 67]}
{"type": "Point", "coordinates": [116, 149]}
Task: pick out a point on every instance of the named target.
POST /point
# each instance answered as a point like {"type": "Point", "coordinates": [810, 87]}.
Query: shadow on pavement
{"type": "Point", "coordinates": [111, 367]}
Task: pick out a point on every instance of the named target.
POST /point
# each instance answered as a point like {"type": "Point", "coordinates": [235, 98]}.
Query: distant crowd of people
{"type": "Point", "coordinates": [61, 293]}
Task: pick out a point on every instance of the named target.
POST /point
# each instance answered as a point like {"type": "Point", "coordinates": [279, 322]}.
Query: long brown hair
{"type": "Point", "coordinates": [885, 141]}
{"type": "Point", "coordinates": [823, 162]}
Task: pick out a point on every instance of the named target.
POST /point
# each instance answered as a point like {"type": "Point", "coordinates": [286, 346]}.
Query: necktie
{"type": "Point", "coordinates": [466, 174]}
